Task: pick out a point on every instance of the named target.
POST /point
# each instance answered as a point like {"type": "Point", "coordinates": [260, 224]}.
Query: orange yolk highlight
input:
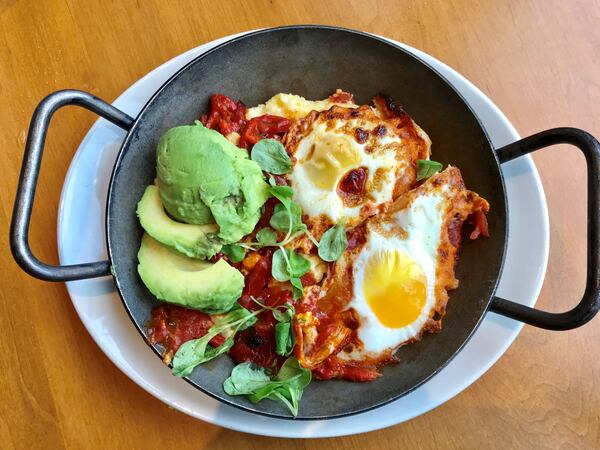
{"type": "Point", "coordinates": [395, 288]}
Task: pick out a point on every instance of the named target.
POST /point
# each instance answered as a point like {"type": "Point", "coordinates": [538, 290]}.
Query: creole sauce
{"type": "Point", "coordinates": [257, 344]}
{"type": "Point", "coordinates": [171, 326]}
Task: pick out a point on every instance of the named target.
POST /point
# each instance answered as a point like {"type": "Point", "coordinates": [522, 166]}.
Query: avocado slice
{"type": "Point", "coordinates": [195, 241]}
{"type": "Point", "coordinates": [209, 287]}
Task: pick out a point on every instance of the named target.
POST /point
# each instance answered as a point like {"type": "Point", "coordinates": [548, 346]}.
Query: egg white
{"type": "Point", "coordinates": [422, 221]}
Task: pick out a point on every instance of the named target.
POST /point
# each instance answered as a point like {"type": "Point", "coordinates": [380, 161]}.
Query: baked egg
{"type": "Point", "coordinates": [350, 162]}
{"type": "Point", "coordinates": [405, 268]}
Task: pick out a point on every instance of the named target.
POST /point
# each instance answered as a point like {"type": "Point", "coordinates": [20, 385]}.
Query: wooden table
{"type": "Point", "coordinates": [539, 61]}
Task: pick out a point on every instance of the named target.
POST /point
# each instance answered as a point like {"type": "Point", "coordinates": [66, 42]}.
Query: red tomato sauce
{"type": "Point", "coordinates": [173, 325]}
{"type": "Point", "coordinates": [332, 367]}
{"type": "Point", "coordinates": [257, 344]}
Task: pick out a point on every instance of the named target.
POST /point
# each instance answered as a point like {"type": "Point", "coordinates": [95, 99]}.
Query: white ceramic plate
{"type": "Point", "coordinates": [81, 235]}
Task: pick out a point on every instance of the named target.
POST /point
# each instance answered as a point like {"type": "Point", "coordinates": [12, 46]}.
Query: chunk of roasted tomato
{"type": "Point", "coordinates": [262, 127]}
{"type": "Point", "coordinates": [351, 187]}
{"type": "Point", "coordinates": [225, 115]}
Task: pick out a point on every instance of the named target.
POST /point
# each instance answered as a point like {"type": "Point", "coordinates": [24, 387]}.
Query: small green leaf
{"type": "Point", "coordinates": [271, 156]}
{"type": "Point", "coordinates": [333, 243]}
{"type": "Point", "coordinates": [280, 220]}
{"type": "Point", "coordinates": [287, 386]}
{"type": "Point", "coordinates": [291, 369]}
{"type": "Point", "coordinates": [266, 236]}
{"type": "Point", "coordinates": [291, 381]}
{"type": "Point", "coordinates": [245, 379]}
{"type": "Point", "coordinates": [426, 168]}
{"type": "Point", "coordinates": [282, 193]}
{"type": "Point", "coordinates": [286, 315]}
{"type": "Point", "coordinates": [299, 264]}
{"type": "Point", "coordinates": [239, 318]}
{"type": "Point", "coordinates": [279, 266]}
{"type": "Point", "coordinates": [234, 252]}
{"type": "Point", "coordinates": [195, 352]}
{"type": "Point", "coordinates": [283, 338]}
{"type": "Point", "coordinates": [297, 288]}
{"type": "Point", "coordinates": [288, 265]}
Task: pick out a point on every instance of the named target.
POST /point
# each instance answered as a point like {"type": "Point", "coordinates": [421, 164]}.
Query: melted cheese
{"type": "Point", "coordinates": [292, 107]}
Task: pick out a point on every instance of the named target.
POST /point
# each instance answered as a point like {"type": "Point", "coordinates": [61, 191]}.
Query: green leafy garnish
{"type": "Point", "coordinates": [266, 236]}
{"type": "Point", "coordinates": [271, 156]}
{"type": "Point", "coordinates": [287, 216]}
{"type": "Point", "coordinates": [287, 386]}
{"type": "Point", "coordinates": [280, 220]}
{"type": "Point", "coordinates": [286, 315]}
{"type": "Point", "coordinates": [235, 253]}
{"type": "Point", "coordinates": [284, 335]}
{"type": "Point", "coordinates": [297, 288]}
{"type": "Point", "coordinates": [288, 264]}
{"type": "Point", "coordinates": [282, 193]}
{"type": "Point", "coordinates": [426, 168]}
{"type": "Point", "coordinates": [333, 243]}
{"type": "Point", "coordinates": [198, 351]}
{"type": "Point", "coordinates": [284, 339]}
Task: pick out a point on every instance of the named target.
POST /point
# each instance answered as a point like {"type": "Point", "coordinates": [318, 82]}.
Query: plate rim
{"type": "Point", "coordinates": [499, 116]}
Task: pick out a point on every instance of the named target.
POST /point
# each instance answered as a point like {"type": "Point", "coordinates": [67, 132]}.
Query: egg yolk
{"type": "Point", "coordinates": [395, 288]}
{"type": "Point", "coordinates": [328, 159]}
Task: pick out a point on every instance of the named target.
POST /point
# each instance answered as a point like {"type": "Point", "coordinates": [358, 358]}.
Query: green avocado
{"type": "Point", "coordinates": [195, 241]}
{"type": "Point", "coordinates": [202, 177]}
{"type": "Point", "coordinates": [209, 287]}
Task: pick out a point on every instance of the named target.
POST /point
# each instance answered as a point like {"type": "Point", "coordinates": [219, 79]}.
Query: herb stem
{"type": "Point", "coordinates": [287, 260]}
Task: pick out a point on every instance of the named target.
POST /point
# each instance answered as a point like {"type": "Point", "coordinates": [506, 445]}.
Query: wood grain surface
{"type": "Point", "coordinates": [539, 61]}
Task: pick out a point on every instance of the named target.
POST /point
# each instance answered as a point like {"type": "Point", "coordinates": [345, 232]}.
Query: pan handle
{"type": "Point", "coordinates": [590, 303]}
{"type": "Point", "coordinates": [30, 169]}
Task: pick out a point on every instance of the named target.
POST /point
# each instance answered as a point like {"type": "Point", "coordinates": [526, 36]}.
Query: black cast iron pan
{"type": "Point", "coordinates": [312, 61]}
